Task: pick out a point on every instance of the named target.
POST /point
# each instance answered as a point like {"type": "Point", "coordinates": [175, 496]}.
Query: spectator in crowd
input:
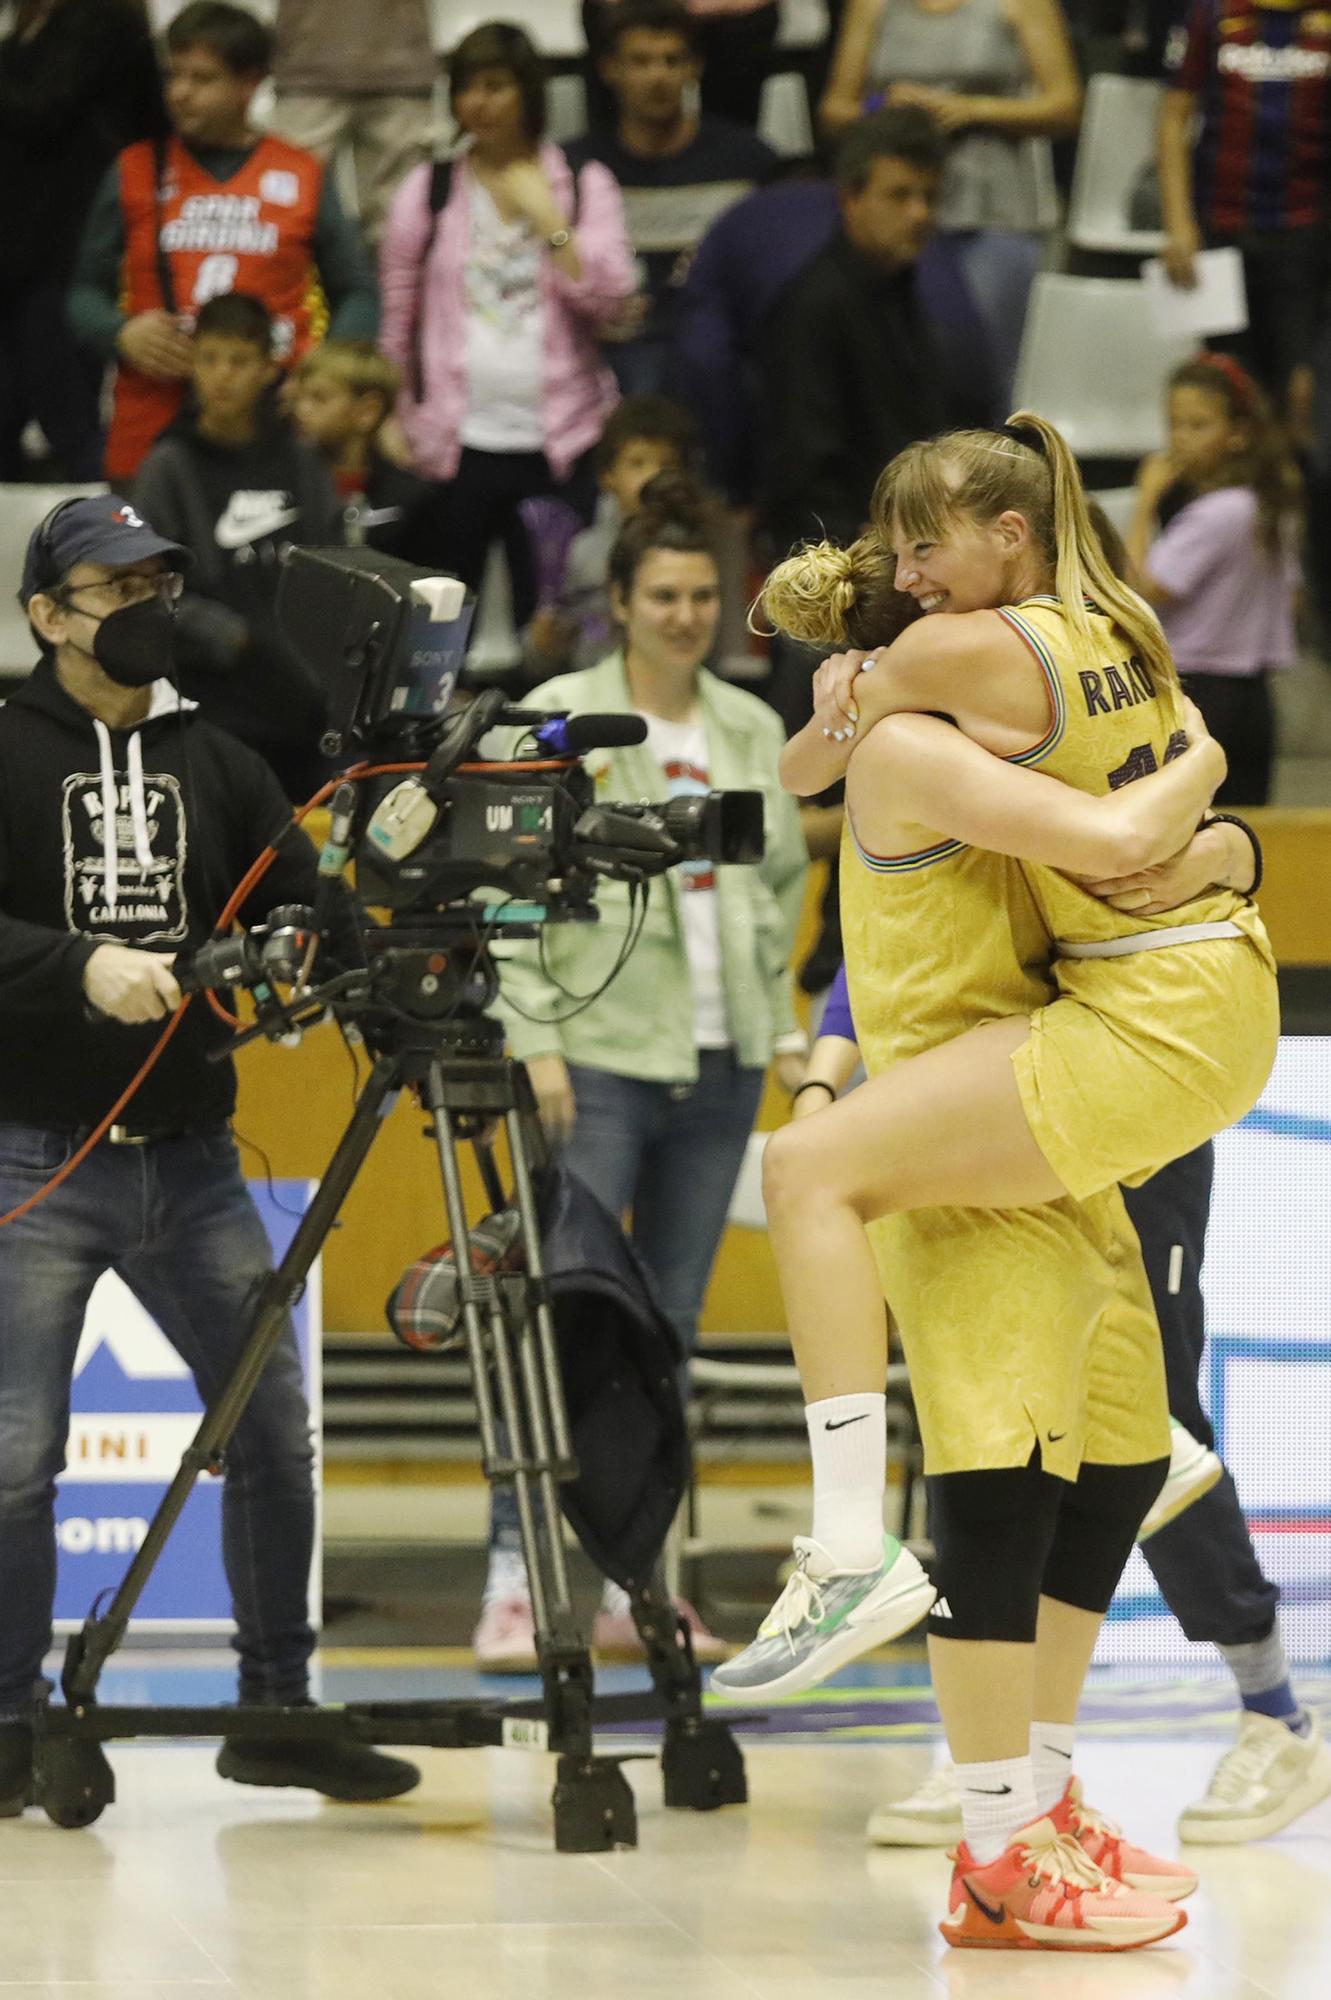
{"type": "Point", "coordinates": [125, 821]}
{"type": "Point", "coordinates": [678, 171]}
{"type": "Point", "coordinates": [652, 1090]}
{"type": "Point", "coordinates": [235, 488]}
{"type": "Point", "coordinates": [78, 82]}
{"type": "Point", "coordinates": [342, 394]}
{"type": "Point", "coordinates": [499, 272]}
{"type": "Point", "coordinates": [1215, 539]}
{"type": "Point", "coordinates": [848, 371]}
{"type": "Point", "coordinates": [215, 208]}
{"type": "Point", "coordinates": [348, 73]}
{"type": "Point", "coordinates": [648, 438]}
{"type": "Point", "coordinates": [748, 259]}
{"type": "Point", "coordinates": [736, 39]}
{"type": "Point", "coordinates": [1000, 78]}
{"type": "Point", "coordinates": [1244, 156]}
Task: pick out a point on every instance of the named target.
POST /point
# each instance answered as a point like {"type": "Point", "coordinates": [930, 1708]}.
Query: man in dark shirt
{"type": "Point", "coordinates": [678, 171]}
{"type": "Point", "coordinates": [850, 373]}
{"type": "Point", "coordinates": [78, 83]}
{"type": "Point", "coordinates": [125, 822]}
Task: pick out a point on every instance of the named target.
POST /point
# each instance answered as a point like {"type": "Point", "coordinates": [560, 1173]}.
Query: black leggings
{"type": "Point", "coordinates": [1005, 1539]}
{"type": "Point", "coordinates": [481, 505]}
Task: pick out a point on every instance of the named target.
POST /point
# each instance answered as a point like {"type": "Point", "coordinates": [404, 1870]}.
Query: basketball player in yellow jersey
{"type": "Point", "coordinates": [938, 941]}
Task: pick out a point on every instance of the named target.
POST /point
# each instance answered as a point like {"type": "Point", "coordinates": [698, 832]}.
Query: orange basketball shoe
{"type": "Point", "coordinates": [1044, 1893]}
{"type": "Point", "coordinates": [1120, 1860]}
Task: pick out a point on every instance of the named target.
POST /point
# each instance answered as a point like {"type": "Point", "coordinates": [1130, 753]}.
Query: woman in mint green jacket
{"type": "Point", "coordinates": [652, 1091]}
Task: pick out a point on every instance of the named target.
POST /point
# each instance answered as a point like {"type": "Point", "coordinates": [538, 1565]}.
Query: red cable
{"type": "Point", "coordinates": [253, 875]}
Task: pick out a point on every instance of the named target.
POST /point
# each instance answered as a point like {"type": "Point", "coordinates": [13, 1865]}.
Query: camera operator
{"type": "Point", "coordinates": [653, 1090]}
{"type": "Point", "coordinates": [125, 822]}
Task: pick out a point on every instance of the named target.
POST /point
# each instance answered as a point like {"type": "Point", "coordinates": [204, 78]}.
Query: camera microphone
{"type": "Point", "coordinates": [574, 735]}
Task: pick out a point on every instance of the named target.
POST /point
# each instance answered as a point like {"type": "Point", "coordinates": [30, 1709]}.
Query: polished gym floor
{"type": "Point", "coordinates": [189, 1887]}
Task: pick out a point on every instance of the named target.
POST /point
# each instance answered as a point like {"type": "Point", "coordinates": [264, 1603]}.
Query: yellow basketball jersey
{"type": "Point", "coordinates": [1113, 720]}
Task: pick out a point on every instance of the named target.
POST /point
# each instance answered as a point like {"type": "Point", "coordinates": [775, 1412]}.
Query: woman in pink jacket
{"type": "Point", "coordinates": [492, 308]}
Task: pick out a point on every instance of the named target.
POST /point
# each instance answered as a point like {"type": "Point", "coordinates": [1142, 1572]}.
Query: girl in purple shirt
{"type": "Point", "coordinates": [1215, 540]}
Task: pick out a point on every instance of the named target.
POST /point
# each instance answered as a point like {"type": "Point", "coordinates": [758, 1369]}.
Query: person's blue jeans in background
{"type": "Point", "coordinates": [672, 1153]}
{"type": "Point", "coordinates": [174, 1220]}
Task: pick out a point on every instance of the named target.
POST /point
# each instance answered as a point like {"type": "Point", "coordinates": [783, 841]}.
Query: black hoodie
{"type": "Point", "coordinates": [235, 507]}
{"type": "Point", "coordinates": [192, 810]}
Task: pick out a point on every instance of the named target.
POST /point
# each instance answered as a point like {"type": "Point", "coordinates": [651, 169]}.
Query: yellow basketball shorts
{"type": "Point", "coordinates": [1025, 1327]}
{"type": "Point", "coordinates": [1142, 1058]}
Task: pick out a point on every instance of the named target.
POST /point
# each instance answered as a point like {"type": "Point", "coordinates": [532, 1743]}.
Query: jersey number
{"type": "Point", "coordinates": [1140, 763]}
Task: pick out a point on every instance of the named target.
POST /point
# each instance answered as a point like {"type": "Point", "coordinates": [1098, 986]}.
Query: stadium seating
{"type": "Point", "coordinates": [1117, 140]}
{"type": "Point", "coordinates": [1092, 363]}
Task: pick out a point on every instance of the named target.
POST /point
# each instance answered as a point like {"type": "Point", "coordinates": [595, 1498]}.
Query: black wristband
{"type": "Point", "coordinates": [814, 1083]}
{"type": "Point", "coordinates": [1232, 819]}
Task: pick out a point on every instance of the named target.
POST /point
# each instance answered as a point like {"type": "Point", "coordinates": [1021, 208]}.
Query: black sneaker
{"type": "Point", "coordinates": [339, 1769]}
{"type": "Point", "coordinates": [15, 1768]}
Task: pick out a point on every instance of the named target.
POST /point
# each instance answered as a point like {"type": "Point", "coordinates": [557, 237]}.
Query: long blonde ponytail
{"type": "Point", "coordinates": [1081, 570]}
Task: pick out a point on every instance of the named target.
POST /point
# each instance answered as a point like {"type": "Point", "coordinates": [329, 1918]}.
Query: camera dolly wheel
{"type": "Point", "coordinates": [594, 1806]}
{"type": "Point", "coordinates": [702, 1766]}
{"type": "Point", "coordinates": [72, 1781]}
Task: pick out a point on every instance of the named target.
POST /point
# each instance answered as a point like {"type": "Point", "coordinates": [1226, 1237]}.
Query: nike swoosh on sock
{"type": "Point", "coordinates": [844, 1421]}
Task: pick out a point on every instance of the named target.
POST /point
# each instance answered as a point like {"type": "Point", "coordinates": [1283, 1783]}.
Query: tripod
{"type": "Point", "coordinates": [453, 1062]}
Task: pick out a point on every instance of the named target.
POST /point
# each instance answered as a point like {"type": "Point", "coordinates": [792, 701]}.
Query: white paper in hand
{"type": "Point", "coordinates": [1217, 303]}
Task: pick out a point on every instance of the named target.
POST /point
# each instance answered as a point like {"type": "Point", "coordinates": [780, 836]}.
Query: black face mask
{"type": "Point", "coordinates": [136, 645]}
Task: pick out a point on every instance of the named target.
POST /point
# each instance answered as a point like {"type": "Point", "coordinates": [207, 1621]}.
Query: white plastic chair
{"type": "Point", "coordinates": [566, 99]}
{"type": "Point", "coordinates": [1092, 363]}
{"type": "Point", "coordinates": [783, 115]}
{"type": "Point", "coordinates": [1117, 140]}
{"type": "Point", "coordinates": [23, 507]}
{"type": "Point", "coordinates": [802, 24]}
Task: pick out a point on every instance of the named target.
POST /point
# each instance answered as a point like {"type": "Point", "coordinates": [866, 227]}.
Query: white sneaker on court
{"type": "Point", "coordinates": [930, 1816]}
{"type": "Point", "coordinates": [1267, 1779]}
{"type": "Point", "coordinates": [1193, 1470]}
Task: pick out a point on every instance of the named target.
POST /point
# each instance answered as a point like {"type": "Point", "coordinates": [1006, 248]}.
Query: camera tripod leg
{"type": "Point", "coordinates": [90, 1648]}
{"type": "Point", "coordinates": [702, 1766]}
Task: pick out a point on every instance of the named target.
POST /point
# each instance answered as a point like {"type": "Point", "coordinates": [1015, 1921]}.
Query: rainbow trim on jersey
{"type": "Point", "coordinates": [1045, 659]}
{"type": "Point", "coordinates": [924, 857]}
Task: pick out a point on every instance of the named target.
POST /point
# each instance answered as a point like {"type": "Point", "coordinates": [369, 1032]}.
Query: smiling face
{"type": "Point", "coordinates": [971, 567]}
{"type": "Point", "coordinates": [671, 610]}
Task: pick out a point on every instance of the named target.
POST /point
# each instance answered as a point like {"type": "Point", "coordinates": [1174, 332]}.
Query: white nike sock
{"type": "Point", "coordinates": [506, 1577]}
{"type": "Point", "coordinates": [997, 1800]}
{"type": "Point", "coordinates": [1052, 1745]}
{"type": "Point", "coordinates": [848, 1441]}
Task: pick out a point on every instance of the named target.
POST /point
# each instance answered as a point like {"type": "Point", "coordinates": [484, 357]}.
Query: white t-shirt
{"type": "Point", "coordinates": [505, 332]}
{"type": "Point", "coordinates": [680, 748]}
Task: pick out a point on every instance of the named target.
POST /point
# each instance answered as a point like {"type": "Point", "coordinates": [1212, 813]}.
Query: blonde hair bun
{"type": "Point", "coordinates": [812, 595]}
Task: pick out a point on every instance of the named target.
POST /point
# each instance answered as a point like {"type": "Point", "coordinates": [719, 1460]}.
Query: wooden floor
{"type": "Point", "coordinates": [190, 1887]}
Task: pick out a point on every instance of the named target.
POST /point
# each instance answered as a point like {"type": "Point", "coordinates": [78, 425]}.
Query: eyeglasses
{"type": "Point", "coordinates": [123, 591]}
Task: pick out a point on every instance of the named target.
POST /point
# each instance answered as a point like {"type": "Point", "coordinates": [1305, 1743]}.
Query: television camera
{"type": "Point", "coordinates": [453, 850]}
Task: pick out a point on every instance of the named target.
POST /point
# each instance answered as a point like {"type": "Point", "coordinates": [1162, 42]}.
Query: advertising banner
{"type": "Point", "coordinates": [134, 1410]}
{"type": "Point", "coordinates": [1267, 1379]}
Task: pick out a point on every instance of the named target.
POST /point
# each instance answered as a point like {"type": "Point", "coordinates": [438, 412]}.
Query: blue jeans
{"type": "Point", "coordinates": [174, 1220]}
{"type": "Point", "coordinates": [672, 1153]}
{"type": "Point", "coordinates": [999, 266]}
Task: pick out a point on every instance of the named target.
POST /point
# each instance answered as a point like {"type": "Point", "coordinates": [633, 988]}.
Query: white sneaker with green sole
{"type": "Point", "coordinates": [825, 1618]}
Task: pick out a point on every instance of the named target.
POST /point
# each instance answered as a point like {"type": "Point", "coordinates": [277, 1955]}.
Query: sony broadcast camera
{"type": "Point", "coordinates": [509, 842]}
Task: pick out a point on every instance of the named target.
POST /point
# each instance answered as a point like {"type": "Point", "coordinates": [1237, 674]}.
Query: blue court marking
{"type": "Point", "coordinates": [1287, 1124]}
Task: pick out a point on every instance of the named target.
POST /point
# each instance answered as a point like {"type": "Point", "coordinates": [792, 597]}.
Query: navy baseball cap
{"type": "Point", "coordinates": [100, 528]}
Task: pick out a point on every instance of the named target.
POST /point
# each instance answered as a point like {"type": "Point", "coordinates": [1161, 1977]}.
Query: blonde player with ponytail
{"type": "Point", "coordinates": [1029, 1046]}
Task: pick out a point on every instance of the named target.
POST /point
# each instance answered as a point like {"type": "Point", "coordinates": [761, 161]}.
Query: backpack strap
{"type": "Point", "coordinates": [166, 283]}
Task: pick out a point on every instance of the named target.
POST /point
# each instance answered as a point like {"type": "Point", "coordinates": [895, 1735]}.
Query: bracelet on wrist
{"type": "Point", "coordinates": [1232, 819]}
{"type": "Point", "coordinates": [814, 1083]}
